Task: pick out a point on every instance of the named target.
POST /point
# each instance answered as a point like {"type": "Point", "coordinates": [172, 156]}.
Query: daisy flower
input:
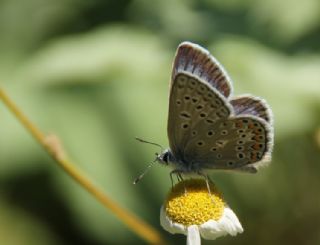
{"type": "Point", "coordinates": [190, 210]}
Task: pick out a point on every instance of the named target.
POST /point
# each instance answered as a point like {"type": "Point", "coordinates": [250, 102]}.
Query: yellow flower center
{"type": "Point", "coordinates": [189, 203]}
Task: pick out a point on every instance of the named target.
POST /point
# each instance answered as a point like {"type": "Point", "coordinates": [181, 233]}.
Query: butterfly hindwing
{"type": "Point", "coordinates": [251, 105]}
{"type": "Point", "coordinates": [237, 142]}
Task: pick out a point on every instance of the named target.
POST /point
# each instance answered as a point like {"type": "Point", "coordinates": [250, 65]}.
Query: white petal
{"type": "Point", "coordinates": [212, 230]}
{"type": "Point", "coordinates": [233, 222]}
{"type": "Point", "coordinates": [193, 237]}
{"type": "Point", "coordinates": [228, 224]}
{"type": "Point", "coordinates": [170, 226]}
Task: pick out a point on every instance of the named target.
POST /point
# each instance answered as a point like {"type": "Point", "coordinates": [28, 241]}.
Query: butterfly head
{"type": "Point", "coordinates": [165, 157]}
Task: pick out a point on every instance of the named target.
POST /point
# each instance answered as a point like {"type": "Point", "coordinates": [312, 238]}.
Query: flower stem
{"type": "Point", "coordinates": [137, 225]}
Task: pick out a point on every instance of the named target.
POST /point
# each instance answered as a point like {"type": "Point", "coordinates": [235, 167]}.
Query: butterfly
{"type": "Point", "coordinates": [208, 128]}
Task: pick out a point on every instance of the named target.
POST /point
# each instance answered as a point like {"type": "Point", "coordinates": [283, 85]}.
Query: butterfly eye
{"type": "Point", "coordinates": [199, 107]}
{"type": "Point", "coordinates": [214, 149]}
{"type": "Point", "coordinates": [165, 157]}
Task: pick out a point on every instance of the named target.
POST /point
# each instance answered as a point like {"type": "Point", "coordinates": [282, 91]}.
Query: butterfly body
{"type": "Point", "coordinates": [190, 168]}
{"type": "Point", "coordinates": [179, 165]}
{"type": "Point", "coordinates": [207, 128]}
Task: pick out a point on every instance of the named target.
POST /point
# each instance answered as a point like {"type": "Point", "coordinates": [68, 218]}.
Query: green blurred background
{"type": "Point", "coordinates": [96, 73]}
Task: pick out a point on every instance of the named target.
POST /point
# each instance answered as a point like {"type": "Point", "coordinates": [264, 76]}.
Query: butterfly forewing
{"type": "Point", "coordinates": [194, 106]}
{"type": "Point", "coordinates": [197, 61]}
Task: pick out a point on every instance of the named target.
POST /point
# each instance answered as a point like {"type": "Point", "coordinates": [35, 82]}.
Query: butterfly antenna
{"type": "Point", "coordinates": [151, 143]}
{"type": "Point", "coordinates": [144, 172]}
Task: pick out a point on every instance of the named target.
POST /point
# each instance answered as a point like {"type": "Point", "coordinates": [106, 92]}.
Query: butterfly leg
{"type": "Point", "coordinates": [179, 176]}
{"type": "Point", "coordinates": [208, 180]}
{"type": "Point", "coordinates": [171, 178]}
{"type": "Point", "coordinates": [178, 173]}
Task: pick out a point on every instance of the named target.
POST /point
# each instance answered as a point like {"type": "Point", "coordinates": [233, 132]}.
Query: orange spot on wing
{"type": "Point", "coordinates": [239, 124]}
{"type": "Point", "coordinates": [256, 146]}
{"type": "Point", "coordinates": [254, 156]}
{"type": "Point", "coordinates": [256, 137]}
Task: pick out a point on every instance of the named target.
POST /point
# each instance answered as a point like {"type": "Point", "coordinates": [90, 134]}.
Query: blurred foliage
{"type": "Point", "coordinates": [96, 73]}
